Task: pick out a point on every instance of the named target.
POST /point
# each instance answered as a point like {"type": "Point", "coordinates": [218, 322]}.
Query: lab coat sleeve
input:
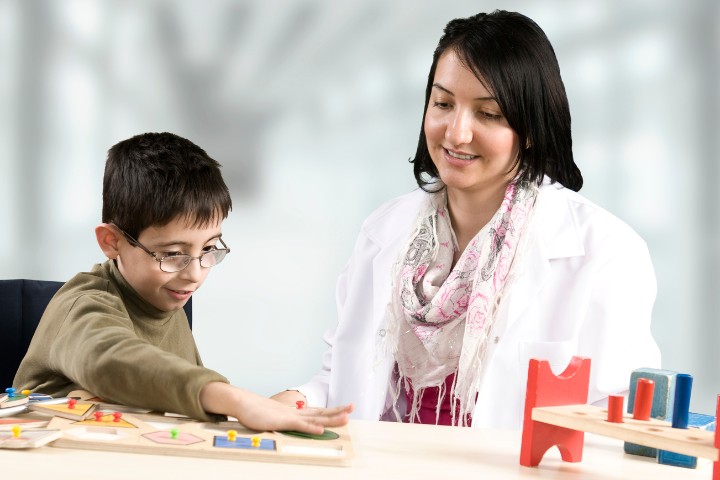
{"type": "Point", "coordinates": [616, 333]}
{"type": "Point", "coordinates": [316, 390]}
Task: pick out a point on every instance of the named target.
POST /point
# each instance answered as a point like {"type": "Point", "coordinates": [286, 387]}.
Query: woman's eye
{"type": "Point", "coordinates": [490, 115]}
{"type": "Point", "coordinates": [441, 105]}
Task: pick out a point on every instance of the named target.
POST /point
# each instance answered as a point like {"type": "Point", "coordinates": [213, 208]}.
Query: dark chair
{"type": "Point", "coordinates": [22, 303]}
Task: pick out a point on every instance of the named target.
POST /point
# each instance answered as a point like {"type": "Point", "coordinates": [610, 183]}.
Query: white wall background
{"type": "Point", "coordinates": [313, 107]}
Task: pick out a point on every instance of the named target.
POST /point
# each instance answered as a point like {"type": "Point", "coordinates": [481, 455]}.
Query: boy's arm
{"type": "Point", "coordinates": [260, 413]}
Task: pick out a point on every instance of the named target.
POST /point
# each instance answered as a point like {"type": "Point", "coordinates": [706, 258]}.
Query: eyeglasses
{"type": "Point", "coordinates": [175, 262]}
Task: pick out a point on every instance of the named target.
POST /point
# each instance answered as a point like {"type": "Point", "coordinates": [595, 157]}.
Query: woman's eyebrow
{"type": "Point", "coordinates": [484, 99]}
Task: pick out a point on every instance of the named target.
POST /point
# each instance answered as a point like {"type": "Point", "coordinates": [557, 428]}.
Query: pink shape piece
{"type": "Point", "coordinates": [545, 389]}
{"type": "Point", "coordinates": [615, 408]}
{"type": "Point", "coordinates": [716, 463]}
{"type": "Point", "coordinates": [643, 399]}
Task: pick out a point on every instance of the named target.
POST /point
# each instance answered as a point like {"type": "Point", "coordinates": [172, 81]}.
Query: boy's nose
{"type": "Point", "coordinates": [193, 271]}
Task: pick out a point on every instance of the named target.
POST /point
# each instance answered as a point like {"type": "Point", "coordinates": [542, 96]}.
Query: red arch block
{"type": "Point", "coordinates": [545, 389]}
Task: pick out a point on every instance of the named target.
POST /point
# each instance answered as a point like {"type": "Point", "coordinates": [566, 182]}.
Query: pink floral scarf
{"type": "Point", "coordinates": [442, 316]}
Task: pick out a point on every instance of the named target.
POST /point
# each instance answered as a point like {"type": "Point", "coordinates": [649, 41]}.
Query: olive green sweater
{"type": "Point", "coordinates": [97, 334]}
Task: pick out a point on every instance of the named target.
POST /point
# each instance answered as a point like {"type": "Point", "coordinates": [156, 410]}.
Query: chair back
{"type": "Point", "coordinates": [22, 303]}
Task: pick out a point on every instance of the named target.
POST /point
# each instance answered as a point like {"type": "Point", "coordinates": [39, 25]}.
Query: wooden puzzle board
{"type": "Point", "coordinates": [651, 433]}
{"type": "Point", "coordinates": [197, 439]}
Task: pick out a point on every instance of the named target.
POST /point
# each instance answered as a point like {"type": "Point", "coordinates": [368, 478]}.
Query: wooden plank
{"type": "Point", "coordinates": [651, 433]}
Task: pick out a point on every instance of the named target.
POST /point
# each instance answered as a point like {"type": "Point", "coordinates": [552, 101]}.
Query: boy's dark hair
{"type": "Point", "coordinates": [514, 60]}
{"type": "Point", "coordinates": [153, 178]}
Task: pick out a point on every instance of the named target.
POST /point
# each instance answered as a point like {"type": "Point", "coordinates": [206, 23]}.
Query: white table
{"type": "Point", "coordinates": [382, 450]}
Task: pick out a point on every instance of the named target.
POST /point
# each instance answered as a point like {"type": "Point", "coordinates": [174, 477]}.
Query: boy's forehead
{"type": "Point", "coordinates": [182, 231]}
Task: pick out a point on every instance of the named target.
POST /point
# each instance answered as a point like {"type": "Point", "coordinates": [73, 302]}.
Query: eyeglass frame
{"type": "Point", "coordinates": [135, 243]}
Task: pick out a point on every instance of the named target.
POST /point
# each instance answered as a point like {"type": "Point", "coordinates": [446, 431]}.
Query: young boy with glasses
{"type": "Point", "coordinates": [119, 331]}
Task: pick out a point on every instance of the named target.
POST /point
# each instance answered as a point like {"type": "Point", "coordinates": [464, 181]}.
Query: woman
{"type": "Point", "coordinates": [495, 260]}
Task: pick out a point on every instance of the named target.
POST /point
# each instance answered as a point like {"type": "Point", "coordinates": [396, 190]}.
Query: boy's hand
{"type": "Point", "coordinates": [264, 414]}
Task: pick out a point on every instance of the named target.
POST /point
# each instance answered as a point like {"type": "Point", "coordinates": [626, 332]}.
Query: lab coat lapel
{"type": "Point", "coordinates": [553, 234]}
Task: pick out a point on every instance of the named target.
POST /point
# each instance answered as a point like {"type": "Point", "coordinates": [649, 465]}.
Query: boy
{"type": "Point", "coordinates": [119, 331]}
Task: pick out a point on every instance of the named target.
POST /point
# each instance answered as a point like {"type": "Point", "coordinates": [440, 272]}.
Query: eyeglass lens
{"type": "Point", "coordinates": [178, 262]}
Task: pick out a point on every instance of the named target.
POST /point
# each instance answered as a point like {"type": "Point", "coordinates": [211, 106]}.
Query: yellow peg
{"type": "Point", "coordinates": [255, 441]}
{"type": "Point", "coordinates": [231, 435]}
{"type": "Point", "coordinates": [16, 431]}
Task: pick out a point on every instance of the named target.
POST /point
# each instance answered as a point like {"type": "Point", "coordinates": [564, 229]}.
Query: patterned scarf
{"type": "Point", "coordinates": [442, 316]}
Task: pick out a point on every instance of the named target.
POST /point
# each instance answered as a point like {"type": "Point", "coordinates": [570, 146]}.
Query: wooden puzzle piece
{"type": "Point", "coordinates": [70, 409]}
{"type": "Point", "coordinates": [28, 438]}
{"type": "Point", "coordinates": [12, 399]}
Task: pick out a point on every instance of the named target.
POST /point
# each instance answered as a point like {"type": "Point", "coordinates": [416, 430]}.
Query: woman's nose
{"type": "Point", "coordinates": [459, 130]}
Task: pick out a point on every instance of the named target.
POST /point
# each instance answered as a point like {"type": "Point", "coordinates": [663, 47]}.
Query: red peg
{"type": "Point", "coordinates": [300, 404]}
{"type": "Point", "coordinates": [71, 403]}
{"type": "Point", "coordinates": [615, 408]}
{"type": "Point", "coordinates": [117, 416]}
{"type": "Point", "coordinates": [643, 399]}
{"type": "Point", "coordinates": [98, 416]}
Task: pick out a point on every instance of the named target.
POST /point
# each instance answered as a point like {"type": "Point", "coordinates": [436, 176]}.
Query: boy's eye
{"type": "Point", "coordinates": [210, 248]}
{"type": "Point", "coordinates": [171, 254]}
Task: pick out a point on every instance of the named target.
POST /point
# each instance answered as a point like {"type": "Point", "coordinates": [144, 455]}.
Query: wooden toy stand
{"type": "Point", "coordinates": [557, 414]}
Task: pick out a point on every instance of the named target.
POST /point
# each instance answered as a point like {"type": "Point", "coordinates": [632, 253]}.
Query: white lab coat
{"type": "Point", "coordinates": [587, 287]}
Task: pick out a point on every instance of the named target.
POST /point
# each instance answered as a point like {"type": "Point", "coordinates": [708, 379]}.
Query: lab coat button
{"type": "Point", "coordinates": [382, 332]}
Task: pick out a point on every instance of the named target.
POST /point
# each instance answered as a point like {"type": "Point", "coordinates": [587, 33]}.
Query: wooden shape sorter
{"type": "Point", "coordinates": [163, 436]}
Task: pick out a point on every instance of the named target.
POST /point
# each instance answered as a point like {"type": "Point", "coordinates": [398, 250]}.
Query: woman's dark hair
{"type": "Point", "coordinates": [513, 58]}
{"type": "Point", "coordinates": [154, 178]}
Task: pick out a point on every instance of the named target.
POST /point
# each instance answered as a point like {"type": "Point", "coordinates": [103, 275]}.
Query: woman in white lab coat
{"type": "Point", "coordinates": [495, 260]}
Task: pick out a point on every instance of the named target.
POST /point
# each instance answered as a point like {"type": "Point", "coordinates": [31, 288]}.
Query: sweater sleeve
{"type": "Point", "coordinates": [97, 347]}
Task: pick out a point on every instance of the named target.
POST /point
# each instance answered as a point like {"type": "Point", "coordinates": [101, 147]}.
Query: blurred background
{"type": "Point", "coordinates": [314, 107]}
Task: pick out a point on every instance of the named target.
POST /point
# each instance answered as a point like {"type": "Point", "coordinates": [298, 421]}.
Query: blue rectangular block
{"type": "Point", "coordinates": [702, 421]}
{"type": "Point", "coordinates": [662, 406]}
{"type": "Point", "coordinates": [676, 459]}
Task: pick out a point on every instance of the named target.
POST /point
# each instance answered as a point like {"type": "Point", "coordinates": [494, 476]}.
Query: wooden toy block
{"type": "Point", "coordinates": [544, 388]}
{"type": "Point", "coordinates": [662, 402]}
{"type": "Point", "coordinates": [226, 440]}
{"type": "Point", "coordinates": [568, 416]}
{"type": "Point", "coordinates": [683, 387]}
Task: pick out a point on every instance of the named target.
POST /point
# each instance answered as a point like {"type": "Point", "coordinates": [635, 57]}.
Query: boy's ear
{"type": "Point", "coordinates": [107, 237]}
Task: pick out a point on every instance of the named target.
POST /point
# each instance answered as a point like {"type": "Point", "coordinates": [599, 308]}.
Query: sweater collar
{"type": "Point", "coordinates": [137, 306]}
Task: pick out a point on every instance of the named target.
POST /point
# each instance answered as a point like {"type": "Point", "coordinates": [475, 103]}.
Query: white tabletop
{"type": "Point", "coordinates": [382, 450]}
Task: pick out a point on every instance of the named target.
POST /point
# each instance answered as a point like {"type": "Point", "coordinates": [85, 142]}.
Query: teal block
{"type": "Point", "coordinates": [676, 459]}
{"type": "Point", "coordinates": [662, 406]}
